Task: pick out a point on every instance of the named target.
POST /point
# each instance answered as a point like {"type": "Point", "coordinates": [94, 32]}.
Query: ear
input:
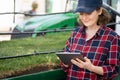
{"type": "Point", "coordinates": [100, 11]}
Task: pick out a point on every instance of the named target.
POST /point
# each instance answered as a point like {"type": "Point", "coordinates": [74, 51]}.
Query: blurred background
{"type": "Point", "coordinates": [43, 7]}
{"type": "Point", "coordinates": [13, 12]}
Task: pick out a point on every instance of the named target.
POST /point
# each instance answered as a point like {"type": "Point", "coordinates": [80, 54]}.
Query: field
{"type": "Point", "coordinates": [24, 65]}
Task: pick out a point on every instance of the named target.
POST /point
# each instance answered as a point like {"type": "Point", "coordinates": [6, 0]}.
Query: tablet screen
{"type": "Point", "coordinates": [66, 57]}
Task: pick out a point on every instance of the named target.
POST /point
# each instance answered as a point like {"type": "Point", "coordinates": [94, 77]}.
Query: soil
{"type": "Point", "coordinates": [29, 70]}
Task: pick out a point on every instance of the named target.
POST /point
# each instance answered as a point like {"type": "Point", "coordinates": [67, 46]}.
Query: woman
{"type": "Point", "coordinates": [99, 45]}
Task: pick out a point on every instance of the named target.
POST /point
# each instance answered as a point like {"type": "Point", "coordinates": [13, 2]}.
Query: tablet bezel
{"type": "Point", "coordinates": [66, 57]}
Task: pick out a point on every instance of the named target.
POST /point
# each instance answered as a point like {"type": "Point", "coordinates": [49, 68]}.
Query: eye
{"type": "Point", "coordinates": [81, 13]}
{"type": "Point", "coordinates": [89, 13]}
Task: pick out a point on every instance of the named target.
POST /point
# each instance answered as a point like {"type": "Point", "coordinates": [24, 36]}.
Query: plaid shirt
{"type": "Point", "coordinates": [103, 50]}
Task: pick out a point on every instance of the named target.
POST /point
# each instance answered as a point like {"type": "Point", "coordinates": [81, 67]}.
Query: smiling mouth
{"type": "Point", "coordinates": [85, 21]}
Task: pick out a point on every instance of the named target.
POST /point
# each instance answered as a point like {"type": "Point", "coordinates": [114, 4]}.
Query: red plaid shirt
{"type": "Point", "coordinates": [103, 50]}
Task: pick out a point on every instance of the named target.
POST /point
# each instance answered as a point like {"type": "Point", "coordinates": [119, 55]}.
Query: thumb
{"type": "Point", "coordinates": [86, 59]}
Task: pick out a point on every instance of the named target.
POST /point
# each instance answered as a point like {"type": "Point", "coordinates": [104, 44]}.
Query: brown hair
{"type": "Point", "coordinates": [103, 19]}
{"type": "Point", "coordinates": [34, 5]}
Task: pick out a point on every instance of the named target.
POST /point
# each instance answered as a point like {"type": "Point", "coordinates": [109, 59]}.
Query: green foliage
{"type": "Point", "coordinates": [46, 43]}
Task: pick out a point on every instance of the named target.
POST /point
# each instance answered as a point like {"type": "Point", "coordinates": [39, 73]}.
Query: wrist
{"type": "Point", "coordinates": [92, 68]}
{"type": "Point", "coordinates": [96, 69]}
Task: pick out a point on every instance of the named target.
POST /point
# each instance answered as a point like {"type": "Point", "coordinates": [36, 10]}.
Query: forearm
{"type": "Point", "coordinates": [105, 71]}
{"type": "Point", "coordinates": [96, 69]}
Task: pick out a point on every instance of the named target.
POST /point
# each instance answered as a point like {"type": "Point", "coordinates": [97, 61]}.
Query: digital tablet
{"type": "Point", "coordinates": [66, 57]}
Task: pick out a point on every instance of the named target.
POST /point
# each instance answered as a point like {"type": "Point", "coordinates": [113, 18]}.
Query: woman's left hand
{"type": "Point", "coordinates": [86, 64]}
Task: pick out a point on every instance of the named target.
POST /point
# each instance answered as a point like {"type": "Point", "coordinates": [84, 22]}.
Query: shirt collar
{"type": "Point", "coordinates": [82, 30]}
{"type": "Point", "coordinates": [99, 32]}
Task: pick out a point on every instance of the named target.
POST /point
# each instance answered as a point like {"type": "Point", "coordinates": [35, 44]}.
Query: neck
{"type": "Point", "coordinates": [91, 31]}
{"type": "Point", "coordinates": [92, 28]}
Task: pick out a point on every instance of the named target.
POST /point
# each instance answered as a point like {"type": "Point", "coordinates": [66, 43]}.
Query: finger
{"type": "Point", "coordinates": [86, 59]}
{"type": "Point", "coordinates": [66, 65]}
{"type": "Point", "coordinates": [80, 61]}
{"type": "Point", "coordinates": [74, 62]}
{"type": "Point", "coordinates": [77, 63]}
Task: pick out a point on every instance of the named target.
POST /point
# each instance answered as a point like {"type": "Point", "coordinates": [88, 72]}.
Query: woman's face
{"type": "Point", "coordinates": [90, 19]}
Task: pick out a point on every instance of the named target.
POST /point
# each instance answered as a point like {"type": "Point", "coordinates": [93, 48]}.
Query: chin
{"type": "Point", "coordinates": [87, 25]}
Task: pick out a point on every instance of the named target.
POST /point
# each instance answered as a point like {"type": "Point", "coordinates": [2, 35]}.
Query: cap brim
{"type": "Point", "coordinates": [87, 10]}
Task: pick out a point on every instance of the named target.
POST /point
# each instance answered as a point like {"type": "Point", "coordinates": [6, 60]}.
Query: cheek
{"type": "Point", "coordinates": [83, 18]}
{"type": "Point", "coordinates": [94, 18]}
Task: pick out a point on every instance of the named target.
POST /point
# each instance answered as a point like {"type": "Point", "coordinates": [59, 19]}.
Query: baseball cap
{"type": "Point", "coordinates": [88, 5]}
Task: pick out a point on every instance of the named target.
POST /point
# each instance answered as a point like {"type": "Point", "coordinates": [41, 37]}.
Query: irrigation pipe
{"type": "Point", "coordinates": [26, 55]}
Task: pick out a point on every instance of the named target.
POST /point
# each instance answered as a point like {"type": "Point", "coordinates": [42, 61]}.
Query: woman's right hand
{"type": "Point", "coordinates": [65, 65]}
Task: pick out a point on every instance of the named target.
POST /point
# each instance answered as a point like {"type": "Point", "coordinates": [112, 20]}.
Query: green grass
{"type": "Point", "coordinates": [49, 42]}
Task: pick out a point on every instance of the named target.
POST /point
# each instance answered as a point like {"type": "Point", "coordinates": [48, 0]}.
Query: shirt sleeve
{"type": "Point", "coordinates": [67, 49]}
{"type": "Point", "coordinates": [113, 59]}
{"type": "Point", "coordinates": [69, 43]}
